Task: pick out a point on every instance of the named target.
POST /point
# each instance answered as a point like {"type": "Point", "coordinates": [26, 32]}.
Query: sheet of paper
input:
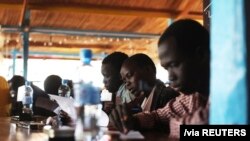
{"type": "Point", "coordinates": [131, 135]}
{"type": "Point", "coordinates": [66, 104]}
{"type": "Point", "coordinates": [20, 93]}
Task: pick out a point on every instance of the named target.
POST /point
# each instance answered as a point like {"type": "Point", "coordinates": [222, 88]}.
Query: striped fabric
{"type": "Point", "coordinates": [177, 108]}
{"type": "Point", "coordinates": [199, 117]}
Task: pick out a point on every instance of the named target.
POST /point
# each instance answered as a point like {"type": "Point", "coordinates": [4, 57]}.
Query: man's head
{"type": "Point", "coordinates": [52, 84]}
{"type": "Point", "coordinates": [184, 51]}
{"type": "Point", "coordinates": [111, 66]}
{"type": "Point", "coordinates": [138, 71]}
{"type": "Point", "coordinates": [16, 81]}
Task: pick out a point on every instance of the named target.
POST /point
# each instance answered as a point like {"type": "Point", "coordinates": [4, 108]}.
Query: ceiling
{"type": "Point", "coordinates": [60, 28]}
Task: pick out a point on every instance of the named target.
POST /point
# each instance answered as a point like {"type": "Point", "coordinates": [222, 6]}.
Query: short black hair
{"type": "Point", "coordinates": [116, 59]}
{"type": "Point", "coordinates": [189, 35]}
{"type": "Point", "coordinates": [17, 81]}
{"type": "Point", "coordinates": [52, 83]}
{"type": "Point", "coordinates": [142, 60]}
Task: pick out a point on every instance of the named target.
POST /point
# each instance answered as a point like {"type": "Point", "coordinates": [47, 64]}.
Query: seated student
{"type": "Point", "coordinates": [111, 66]}
{"type": "Point", "coordinates": [52, 84]}
{"type": "Point", "coordinates": [139, 74]}
{"type": "Point", "coordinates": [184, 51]}
{"type": "Point", "coordinates": [18, 81]}
{"type": "Point", "coordinates": [15, 82]}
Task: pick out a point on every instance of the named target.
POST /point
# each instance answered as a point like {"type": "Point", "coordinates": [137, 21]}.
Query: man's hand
{"type": "Point", "coordinates": [122, 119]}
{"type": "Point", "coordinates": [65, 118]}
{"type": "Point", "coordinates": [56, 121]}
{"type": "Point", "coordinates": [134, 106]}
{"type": "Point", "coordinates": [52, 121]}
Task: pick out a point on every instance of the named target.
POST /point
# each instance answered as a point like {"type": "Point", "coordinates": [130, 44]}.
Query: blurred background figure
{"type": "Point", "coordinates": [52, 84]}
{"type": "Point", "coordinates": [4, 98]}
{"type": "Point", "coordinates": [14, 83]}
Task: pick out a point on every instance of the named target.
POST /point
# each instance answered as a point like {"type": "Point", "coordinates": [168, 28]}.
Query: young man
{"type": "Point", "coordinates": [184, 51]}
{"type": "Point", "coordinates": [139, 74]}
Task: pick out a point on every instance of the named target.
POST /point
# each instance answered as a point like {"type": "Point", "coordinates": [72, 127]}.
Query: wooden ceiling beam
{"type": "Point", "coordinates": [101, 10]}
{"type": "Point", "coordinates": [11, 5]}
{"type": "Point", "coordinates": [108, 10]}
{"type": "Point", "coordinates": [21, 19]}
{"type": "Point", "coordinates": [195, 15]}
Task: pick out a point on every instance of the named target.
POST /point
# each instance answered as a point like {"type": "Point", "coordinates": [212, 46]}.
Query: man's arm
{"type": "Point", "coordinates": [176, 108]}
{"type": "Point", "coordinates": [199, 117]}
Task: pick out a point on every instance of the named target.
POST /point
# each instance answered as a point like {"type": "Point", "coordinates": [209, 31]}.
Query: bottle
{"type": "Point", "coordinates": [88, 107]}
{"type": "Point", "coordinates": [85, 72]}
{"type": "Point", "coordinates": [64, 89]}
{"type": "Point", "coordinates": [87, 99]}
{"type": "Point", "coordinates": [27, 102]}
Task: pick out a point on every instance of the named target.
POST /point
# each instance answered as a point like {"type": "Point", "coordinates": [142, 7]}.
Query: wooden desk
{"type": "Point", "coordinates": [9, 132]}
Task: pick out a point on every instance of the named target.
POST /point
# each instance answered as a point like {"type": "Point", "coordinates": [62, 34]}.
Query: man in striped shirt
{"type": "Point", "coordinates": [184, 51]}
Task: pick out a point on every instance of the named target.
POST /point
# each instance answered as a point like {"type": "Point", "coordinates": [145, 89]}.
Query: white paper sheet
{"type": "Point", "coordinates": [132, 135]}
{"type": "Point", "coordinates": [67, 104]}
{"type": "Point", "coordinates": [20, 93]}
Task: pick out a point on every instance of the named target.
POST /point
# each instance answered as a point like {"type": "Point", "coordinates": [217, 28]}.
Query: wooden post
{"type": "Point", "coordinates": [206, 13]}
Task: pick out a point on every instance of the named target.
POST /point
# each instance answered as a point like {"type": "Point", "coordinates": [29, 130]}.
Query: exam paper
{"type": "Point", "coordinates": [20, 93]}
{"type": "Point", "coordinates": [131, 135]}
{"type": "Point", "coordinates": [67, 104]}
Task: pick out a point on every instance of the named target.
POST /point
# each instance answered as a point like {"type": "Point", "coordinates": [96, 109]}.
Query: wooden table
{"type": "Point", "coordinates": [9, 132]}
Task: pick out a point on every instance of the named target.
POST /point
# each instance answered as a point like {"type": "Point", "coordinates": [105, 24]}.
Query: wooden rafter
{"type": "Point", "coordinates": [10, 5]}
{"type": "Point", "coordinates": [104, 10]}
{"type": "Point", "coordinates": [21, 19]}
{"type": "Point", "coordinates": [185, 13]}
